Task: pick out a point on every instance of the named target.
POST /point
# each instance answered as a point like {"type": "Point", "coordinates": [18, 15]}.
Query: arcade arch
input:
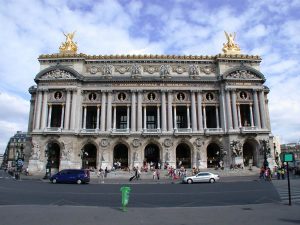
{"type": "Point", "coordinates": [183, 156]}
{"type": "Point", "coordinates": [213, 151]}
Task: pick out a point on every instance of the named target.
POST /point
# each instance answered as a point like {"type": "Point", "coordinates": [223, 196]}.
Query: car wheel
{"type": "Point", "coordinates": [79, 182]}
{"type": "Point", "coordinates": [211, 180]}
{"type": "Point", "coordinates": [189, 181]}
{"type": "Point", "coordinates": [54, 181]}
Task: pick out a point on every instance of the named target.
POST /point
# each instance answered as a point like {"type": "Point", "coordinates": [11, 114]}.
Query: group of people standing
{"type": "Point", "coordinates": [266, 173]}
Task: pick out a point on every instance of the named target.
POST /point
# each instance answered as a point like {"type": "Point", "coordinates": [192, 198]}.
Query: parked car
{"type": "Point", "coordinates": [71, 176]}
{"type": "Point", "coordinates": [202, 177]}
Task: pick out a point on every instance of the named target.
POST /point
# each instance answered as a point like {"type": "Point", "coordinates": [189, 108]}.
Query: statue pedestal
{"type": "Point", "coordinates": [64, 164]}
{"type": "Point", "coordinates": [238, 160]}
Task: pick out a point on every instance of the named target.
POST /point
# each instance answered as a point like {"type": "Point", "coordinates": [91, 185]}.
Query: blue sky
{"type": "Point", "coordinates": [269, 28]}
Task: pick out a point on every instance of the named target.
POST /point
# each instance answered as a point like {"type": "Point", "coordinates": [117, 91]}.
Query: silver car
{"type": "Point", "coordinates": [202, 177]}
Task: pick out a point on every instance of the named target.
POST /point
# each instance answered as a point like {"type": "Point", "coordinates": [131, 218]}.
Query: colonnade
{"type": "Point", "coordinates": [228, 114]}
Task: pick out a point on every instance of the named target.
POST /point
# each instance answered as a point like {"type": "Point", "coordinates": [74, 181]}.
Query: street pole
{"type": "Point", "coordinates": [289, 186]}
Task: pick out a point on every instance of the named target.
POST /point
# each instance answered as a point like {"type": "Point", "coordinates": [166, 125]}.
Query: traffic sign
{"type": "Point", "coordinates": [288, 157]}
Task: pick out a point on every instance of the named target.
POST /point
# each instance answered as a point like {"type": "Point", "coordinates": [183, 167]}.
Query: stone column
{"type": "Point", "coordinates": [234, 111]}
{"type": "Point", "coordinates": [262, 109]}
{"type": "Point", "coordinates": [128, 116]}
{"type": "Point", "coordinates": [222, 109]}
{"type": "Point", "coordinates": [73, 110]}
{"type": "Point", "coordinates": [44, 108]}
{"type": "Point", "coordinates": [98, 114]}
{"type": "Point", "coordinates": [115, 117]}
{"type": "Point", "coordinates": [170, 118]}
{"type": "Point", "coordinates": [163, 111]}
{"type": "Point", "coordinates": [103, 111]}
{"type": "Point", "coordinates": [49, 116]}
{"type": "Point", "coordinates": [133, 111]}
{"type": "Point", "coordinates": [204, 116]}
{"type": "Point", "coordinates": [62, 116]}
{"type": "Point", "coordinates": [67, 114]}
{"type": "Point", "coordinates": [175, 118]}
{"type": "Point", "coordinates": [38, 110]}
{"type": "Point", "coordinates": [217, 116]}
{"type": "Point", "coordinates": [84, 117]}
{"type": "Point", "coordinates": [251, 116]}
{"type": "Point", "coordinates": [78, 111]}
{"type": "Point", "coordinates": [256, 110]}
{"type": "Point", "coordinates": [188, 116]}
{"type": "Point", "coordinates": [200, 119]}
{"type": "Point", "coordinates": [158, 117]}
{"type": "Point", "coordinates": [239, 115]}
{"type": "Point", "coordinates": [145, 118]}
{"type": "Point", "coordinates": [194, 116]}
{"type": "Point", "coordinates": [109, 101]}
{"type": "Point", "coordinates": [139, 111]}
{"type": "Point", "coordinates": [228, 110]}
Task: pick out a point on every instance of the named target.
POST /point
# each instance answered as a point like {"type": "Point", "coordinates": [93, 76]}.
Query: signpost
{"type": "Point", "coordinates": [288, 157]}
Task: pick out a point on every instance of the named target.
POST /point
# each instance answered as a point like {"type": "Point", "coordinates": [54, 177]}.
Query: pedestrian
{"type": "Point", "coordinates": [157, 174]}
{"type": "Point", "coordinates": [282, 173]}
{"type": "Point", "coordinates": [105, 172]}
{"type": "Point", "coordinates": [154, 174]}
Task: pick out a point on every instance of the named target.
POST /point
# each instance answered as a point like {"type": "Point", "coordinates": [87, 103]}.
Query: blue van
{"type": "Point", "coordinates": [71, 176]}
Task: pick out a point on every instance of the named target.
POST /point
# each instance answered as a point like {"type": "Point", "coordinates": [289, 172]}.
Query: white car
{"type": "Point", "coordinates": [202, 177]}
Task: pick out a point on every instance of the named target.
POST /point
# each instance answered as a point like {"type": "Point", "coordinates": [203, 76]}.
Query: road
{"type": "Point", "coordinates": [29, 192]}
{"type": "Point", "coordinates": [247, 202]}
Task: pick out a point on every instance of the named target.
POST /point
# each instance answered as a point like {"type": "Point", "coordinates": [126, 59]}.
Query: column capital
{"type": "Point", "coordinates": [163, 91]}
{"type": "Point", "coordinates": [98, 105]}
{"type": "Point", "coordinates": [133, 90]}
{"type": "Point", "coordinates": [194, 91]}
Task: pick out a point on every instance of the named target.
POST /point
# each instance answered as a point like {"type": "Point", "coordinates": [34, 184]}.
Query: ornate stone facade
{"type": "Point", "coordinates": [92, 111]}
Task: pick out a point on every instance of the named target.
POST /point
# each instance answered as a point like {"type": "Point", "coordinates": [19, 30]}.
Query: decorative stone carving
{"type": "Point", "coordinates": [167, 156]}
{"type": "Point", "coordinates": [199, 142]}
{"type": "Point", "coordinates": [179, 69]}
{"type": "Point", "coordinates": [135, 156]}
{"type": "Point", "coordinates": [122, 69]}
{"type": "Point", "coordinates": [151, 69]}
{"type": "Point", "coordinates": [207, 69]}
{"type": "Point", "coordinates": [236, 148]}
{"type": "Point", "coordinates": [66, 151]}
{"type": "Point", "coordinates": [36, 151]}
{"type": "Point", "coordinates": [58, 74]}
{"type": "Point", "coordinates": [165, 71]}
{"type": "Point", "coordinates": [104, 142]}
{"type": "Point", "coordinates": [136, 143]}
{"type": "Point", "coordinates": [93, 70]}
{"type": "Point", "coordinates": [107, 70]}
{"type": "Point", "coordinates": [193, 70]}
{"type": "Point", "coordinates": [168, 142]}
{"type": "Point", "coordinates": [136, 70]}
{"type": "Point", "coordinates": [242, 74]}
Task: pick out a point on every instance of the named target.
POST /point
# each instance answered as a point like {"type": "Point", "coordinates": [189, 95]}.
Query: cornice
{"type": "Point", "coordinates": [82, 56]}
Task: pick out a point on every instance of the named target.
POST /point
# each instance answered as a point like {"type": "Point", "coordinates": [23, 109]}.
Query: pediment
{"type": "Point", "coordinates": [243, 73]}
{"type": "Point", "coordinates": [57, 74]}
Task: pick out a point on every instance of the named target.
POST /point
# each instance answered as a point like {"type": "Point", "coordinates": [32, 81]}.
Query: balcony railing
{"type": "Point", "coordinates": [213, 130]}
{"type": "Point", "coordinates": [120, 131]}
{"type": "Point", "coordinates": [152, 131]}
{"type": "Point", "coordinates": [182, 130]}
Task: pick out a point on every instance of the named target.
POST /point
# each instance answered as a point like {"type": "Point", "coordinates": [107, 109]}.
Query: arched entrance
{"type": "Point", "coordinates": [152, 154]}
{"type": "Point", "coordinates": [53, 155]}
{"type": "Point", "coordinates": [121, 155]}
{"type": "Point", "coordinates": [248, 154]}
{"type": "Point", "coordinates": [183, 155]}
{"type": "Point", "coordinates": [89, 157]}
{"type": "Point", "coordinates": [213, 152]}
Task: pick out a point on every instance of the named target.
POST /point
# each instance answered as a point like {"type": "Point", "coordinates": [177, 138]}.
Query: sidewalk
{"type": "Point", "coordinates": [119, 176]}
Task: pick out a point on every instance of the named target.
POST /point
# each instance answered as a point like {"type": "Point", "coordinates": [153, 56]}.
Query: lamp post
{"type": "Point", "coordinates": [48, 164]}
{"type": "Point", "coordinates": [265, 150]}
{"type": "Point", "coordinates": [83, 155]}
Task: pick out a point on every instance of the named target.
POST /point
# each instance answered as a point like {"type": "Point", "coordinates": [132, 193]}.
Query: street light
{"type": "Point", "coordinates": [265, 150]}
{"type": "Point", "coordinates": [48, 165]}
{"type": "Point", "coordinates": [83, 155]}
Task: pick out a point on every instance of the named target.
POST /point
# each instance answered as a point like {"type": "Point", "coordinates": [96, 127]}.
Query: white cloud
{"type": "Point", "coordinates": [30, 28]}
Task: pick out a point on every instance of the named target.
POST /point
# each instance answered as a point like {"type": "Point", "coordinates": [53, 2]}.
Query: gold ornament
{"type": "Point", "coordinates": [231, 47]}
{"type": "Point", "coordinates": [68, 46]}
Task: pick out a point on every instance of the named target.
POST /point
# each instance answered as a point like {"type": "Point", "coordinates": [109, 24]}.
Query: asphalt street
{"type": "Point", "coordinates": [231, 201]}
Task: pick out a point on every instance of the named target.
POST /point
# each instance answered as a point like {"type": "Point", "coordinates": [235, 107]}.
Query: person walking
{"type": "Point", "coordinates": [157, 174]}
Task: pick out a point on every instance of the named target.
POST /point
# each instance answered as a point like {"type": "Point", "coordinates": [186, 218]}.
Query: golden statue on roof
{"type": "Point", "coordinates": [231, 47]}
{"type": "Point", "coordinates": [69, 46]}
